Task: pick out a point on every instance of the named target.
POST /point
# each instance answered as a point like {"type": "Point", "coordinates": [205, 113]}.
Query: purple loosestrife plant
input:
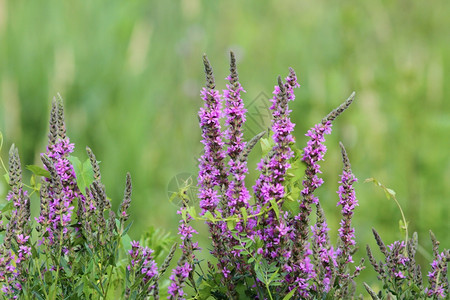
{"type": "Point", "coordinates": [183, 272]}
{"type": "Point", "coordinates": [265, 243]}
{"type": "Point", "coordinates": [143, 271]}
{"type": "Point", "coordinates": [437, 277]}
{"type": "Point", "coordinates": [400, 274]}
{"type": "Point", "coordinates": [269, 189]}
{"type": "Point", "coordinates": [346, 247]}
{"type": "Point", "coordinates": [73, 256]}
{"type": "Point", "coordinates": [267, 240]}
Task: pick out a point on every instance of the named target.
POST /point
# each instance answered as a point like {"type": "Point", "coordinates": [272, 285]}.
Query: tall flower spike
{"type": "Point", "coordinates": [269, 189]}
{"type": "Point", "coordinates": [212, 174]}
{"type": "Point", "coordinates": [437, 277]}
{"type": "Point", "coordinates": [15, 246]}
{"type": "Point", "coordinates": [313, 153]}
{"type": "Point", "coordinates": [348, 202]}
{"type": "Point", "coordinates": [237, 194]}
{"type": "Point", "coordinates": [185, 266]}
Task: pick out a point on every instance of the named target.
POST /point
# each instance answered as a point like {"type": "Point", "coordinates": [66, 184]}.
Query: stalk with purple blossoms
{"type": "Point", "coordinates": [347, 243]}
{"type": "Point", "coordinates": [437, 277]}
{"type": "Point", "coordinates": [15, 249]}
{"type": "Point", "coordinates": [62, 189]}
{"type": "Point", "coordinates": [183, 272]}
{"type": "Point", "coordinates": [300, 263]}
{"type": "Point", "coordinates": [269, 189]}
{"type": "Point", "coordinates": [143, 270]}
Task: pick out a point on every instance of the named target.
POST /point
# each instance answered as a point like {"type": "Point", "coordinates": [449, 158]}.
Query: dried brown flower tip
{"type": "Point", "coordinates": [372, 260]}
{"type": "Point", "coordinates": [233, 69]}
{"type": "Point", "coordinates": [94, 163]}
{"type": "Point", "coordinates": [15, 171]}
{"type": "Point", "coordinates": [282, 87]}
{"type": "Point", "coordinates": [209, 73]}
{"type": "Point", "coordinates": [339, 110]}
{"type": "Point", "coordinates": [60, 121]}
{"type": "Point", "coordinates": [126, 199]}
{"type": "Point", "coordinates": [248, 148]}
{"type": "Point", "coordinates": [167, 261]}
{"type": "Point", "coordinates": [53, 133]}
{"type": "Point", "coordinates": [345, 159]}
{"type": "Point", "coordinates": [380, 242]}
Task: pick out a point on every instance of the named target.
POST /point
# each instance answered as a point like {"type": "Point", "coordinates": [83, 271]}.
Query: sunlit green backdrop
{"type": "Point", "coordinates": [131, 71]}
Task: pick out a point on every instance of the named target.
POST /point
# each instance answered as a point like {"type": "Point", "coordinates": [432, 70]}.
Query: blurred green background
{"type": "Point", "coordinates": [131, 71]}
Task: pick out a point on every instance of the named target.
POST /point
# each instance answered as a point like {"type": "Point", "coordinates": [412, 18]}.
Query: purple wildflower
{"type": "Point", "coordinates": [211, 168]}
{"type": "Point", "coordinates": [269, 187]}
{"type": "Point", "coordinates": [142, 266]}
{"type": "Point", "coordinates": [61, 189]}
{"type": "Point", "coordinates": [348, 202]}
{"type": "Point", "coordinates": [178, 278]}
{"type": "Point", "coordinates": [437, 277]}
{"type": "Point", "coordinates": [237, 194]}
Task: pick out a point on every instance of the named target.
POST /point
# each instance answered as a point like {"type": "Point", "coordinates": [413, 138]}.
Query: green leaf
{"type": "Point", "coordinates": [1, 140]}
{"type": "Point", "coordinates": [192, 212]}
{"type": "Point", "coordinates": [8, 206]}
{"type": "Point", "coordinates": [289, 296]}
{"type": "Point", "coordinates": [208, 215]}
{"type": "Point", "coordinates": [274, 205]}
{"type": "Point", "coordinates": [244, 214]}
{"type": "Point", "coordinates": [126, 242]}
{"type": "Point", "coordinates": [83, 172]}
{"type": "Point", "coordinates": [391, 192]}
{"type": "Point", "coordinates": [66, 267]}
{"type": "Point", "coordinates": [266, 145]}
{"type": "Point", "coordinates": [37, 295]}
{"type": "Point", "coordinates": [291, 205]}
{"type": "Point", "coordinates": [38, 171]}
{"type": "Point", "coordinates": [231, 224]}
{"type": "Point", "coordinates": [274, 275]}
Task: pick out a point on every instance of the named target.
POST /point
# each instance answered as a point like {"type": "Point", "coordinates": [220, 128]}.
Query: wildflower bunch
{"type": "Point", "coordinates": [74, 255]}
{"type": "Point", "coordinates": [261, 243]}
{"type": "Point", "coordinates": [264, 244]}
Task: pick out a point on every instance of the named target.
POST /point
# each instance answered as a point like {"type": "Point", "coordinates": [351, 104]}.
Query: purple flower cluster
{"type": "Point", "coordinates": [184, 268]}
{"type": "Point", "coordinates": [237, 195]}
{"type": "Point", "coordinates": [397, 260]}
{"type": "Point", "coordinates": [348, 201]}
{"type": "Point", "coordinates": [212, 169]}
{"type": "Point", "coordinates": [178, 278]}
{"type": "Point", "coordinates": [399, 272]}
{"type": "Point", "coordinates": [269, 189]}
{"type": "Point", "coordinates": [142, 264]}
{"type": "Point", "coordinates": [313, 153]}
{"type": "Point", "coordinates": [284, 237]}
{"type": "Point", "coordinates": [59, 191]}
{"type": "Point", "coordinates": [437, 277]}
{"type": "Point", "coordinates": [15, 249]}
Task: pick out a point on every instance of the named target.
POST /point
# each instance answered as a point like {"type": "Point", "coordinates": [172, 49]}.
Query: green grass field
{"type": "Point", "coordinates": [131, 72]}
